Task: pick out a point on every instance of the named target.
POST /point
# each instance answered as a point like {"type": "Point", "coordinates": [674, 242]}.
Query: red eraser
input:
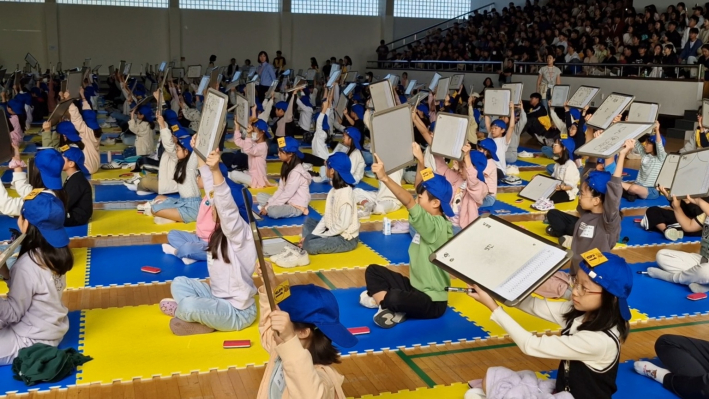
{"type": "Point", "coordinates": [358, 330]}
{"type": "Point", "coordinates": [637, 220]}
{"type": "Point", "coordinates": [150, 269]}
{"type": "Point", "coordinates": [233, 344]}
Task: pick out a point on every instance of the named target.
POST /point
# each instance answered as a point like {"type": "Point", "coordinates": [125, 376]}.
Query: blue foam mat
{"type": "Point", "coordinates": [324, 188]}
{"type": "Point", "coordinates": [641, 203]}
{"type": "Point", "coordinates": [449, 327]}
{"type": "Point", "coordinates": [657, 298]}
{"type": "Point", "coordinates": [119, 192]}
{"type": "Point", "coordinates": [633, 385]}
{"type": "Point", "coordinates": [6, 177]}
{"type": "Point", "coordinates": [30, 148]}
{"type": "Point", "coordinates": [394, 248]}
{"type": "Point", "coordinates": [121, 265]}
{"type": "Point", "coordinates": [524, 164]}
{"type": "Point", "coordinates": [639, 236]}
{"type": "Point", "coordinates": [71, 340]}
{"type": "Point", "coordinates": [7, 222]}
{"type": "Point", "coordinates": [296, 221]}
{"type": "Point", "coordinates": [500, 208]}
{"type": "Point", "coordinates": [104, 157]}
{"type": "Point", "coordinates": [501, 183]}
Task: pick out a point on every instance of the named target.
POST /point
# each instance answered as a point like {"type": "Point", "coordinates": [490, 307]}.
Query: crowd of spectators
{"type": "Point", "coordinates": [574, 32]}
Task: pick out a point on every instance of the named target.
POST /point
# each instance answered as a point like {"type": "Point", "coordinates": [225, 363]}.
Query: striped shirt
{"type": "Point", "coordinates": [650, 165]}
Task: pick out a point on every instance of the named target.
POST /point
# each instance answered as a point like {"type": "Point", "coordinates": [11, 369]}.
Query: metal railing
{"type": "Point", "coordinates": [444, 26]}
{"type": "Point", "coordinates": [693, 72]}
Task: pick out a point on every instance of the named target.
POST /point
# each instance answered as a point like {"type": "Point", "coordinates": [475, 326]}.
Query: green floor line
{"type": "Point", "coordinates": [416, 369]}
{"type": "Point", "coordinates": [326, 280]}
{"type": "Point", "coordinates": [275, 230]}
{"type": "Point", "coordinates": [651, 328]}
{"type": "Point", "coordinates": [464, 350]}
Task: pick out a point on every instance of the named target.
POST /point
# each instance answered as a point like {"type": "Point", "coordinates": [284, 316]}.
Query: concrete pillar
{"type": "Point", "coordinates": [175, 32]}
{"type": "Point", "coordinates": [386, 14]}
{"type": "Point", "coordinates": [286, 31]}
{"type": "Point", "coordinates": [51, 33]}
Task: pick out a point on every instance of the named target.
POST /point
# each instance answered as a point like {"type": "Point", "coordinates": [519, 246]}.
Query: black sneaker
{"type": "Point", "coordinates": [385, 318]}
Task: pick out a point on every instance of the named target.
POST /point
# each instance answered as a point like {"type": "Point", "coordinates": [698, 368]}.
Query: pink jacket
{"type": "Point", "coordinates": [205, 222]}
{"type": "Point", "coordinates": [490, 173]}
{"type": "Point", "coordinates": [17, 134]}
{"type": "Point", "coordinates": [92, 159]}
{"type": "Point", "coordinates": [304, 380]}
{"type": "Point", "coordinates": [475, 190]}
{"type": "Point", "coordinates": [257, 153]}
{"type": "Point", "coordinates": [295, 191]}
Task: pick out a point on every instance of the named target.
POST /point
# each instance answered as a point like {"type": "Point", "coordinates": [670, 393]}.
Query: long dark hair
{"type": "Point", "coordinates": [320, 347]}
{"type": "Point", "coordinates": [58, 260]}
{"type": "Point", "coordinates": [564, 153]}
{"type": "Point", "coordinates": [604, 318]}
{"type": "Point", "coordinates": [98, 133]}
{"type": "Point", "coordinates": [219, 240]}
{"type": "Point", "coordinates": [181, 168]}
{"type": "Point", "coordinates": [65, 141]}
{"type": "Point", "coordinates": [35, 180]}
{"type": "Point", "coordinates": [259, 57]}
{"type": "Point", "coordinates": [337, 182]}
{"type": "Point", "coordinates": [23, 121]}
{"type": "Point", "coordinates": [286, 167]}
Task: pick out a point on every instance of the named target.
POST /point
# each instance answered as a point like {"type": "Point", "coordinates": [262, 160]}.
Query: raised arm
{"type": "Point", "coordinates": [401, 194]}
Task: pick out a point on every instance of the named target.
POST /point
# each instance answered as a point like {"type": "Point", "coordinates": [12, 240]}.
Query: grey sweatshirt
{"type": "Point", "coordinates": [33, 307]}
{"type": "Point", "coordinates": [598, 230]}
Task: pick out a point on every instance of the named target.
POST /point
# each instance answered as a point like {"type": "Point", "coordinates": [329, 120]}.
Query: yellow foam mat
{"type": "Point", "coordinates": [538, 160]}
{"type": "Point", "coordinates": [115, 147]}
{"type": "Point", "coordinates": [268, 190]}
{"type": "Point", "coordinates": [362, 256]}
{"type": "Point", "coordinates": [528, 175]}
{"type": "Point", "coordinates": [399, 214]}
{"type": "Point", "coordinates": [511, 198]}
{"type": "Point", "coordinates": [538, 228]}
{"type": "Point", "coordinates": [274, 168]}
{"type": "Point", "coordinates": [454, 391]}
{"type": "Point", "coordinates": [77, 275]}
{"type": "Point", "coordinates": [136, 341]}
{"type": "Point", "coordinates": [34, 130]}
{"type": "Point", "coordinates": [130, 222]}
{"type": "Point", "coordinates": [111, 174]}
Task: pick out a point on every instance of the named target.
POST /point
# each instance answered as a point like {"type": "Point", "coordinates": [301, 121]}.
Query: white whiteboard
{"type": "Point", "coordinates": [434, 82]}
{"type": "Point", "coordinates": [333, 78]}
{"type": "Point", "coordinates": [341, 105]}
{"type": "Point", "coordinates": [450, 135]}
{"type": "Point", "coordinates": [643, 112]}
{"type": "Point", "coordinates": [203, 85]}
{"type": "Point", "coordinates": [242, 111]}
{"type": "Point", "coordinates": [504, 259]}
{"type": "Point", "coordinates": [194, 71]}
{"type": "Point", "coordinates": [271, 89]}
{"type": "Point", "coordinates": [393, 79]}
{"type": "Point", "coordinates": [349, 89]}
{"type": "Point", "coordinates": [497, 102]}
{"type": "Point", "coordinates": [442, 90]}
{"type": "Point", "coordinates": [456, 82]}
{"type": "Point", "coordinates": [559, 95]}
{"type": "Point", "coordinates": [612, 139]}
{"type": "Point", "coordinates": [211, 125]}
{"type": "Point", "coordinates": [410, 88]}
{"type": "Point", "coordinates": [251, 93]}
{"type": "Point", "coordinates": [351, 77]}
{"type": "Point", "coordinates": [611, 107]}
{"type": "Point", "coordinates": [392, 135]}
{"type": "Point", "coordinates": [583, 96]}
{"type": "Point", "coordinates": [73, 84]}
{"type": "Point", "coordinates": [516, 89]}
{"type": "Point", "coordinates": [540, 186]}
{"type": "Point", "coordinates": [667, 172]}
{"type": "Point", "coordinates": [692, 175]}
{"type": "Point", "coordinates": [382, 95]}
{"type": "Point", "coordinates": [310, 74]}
{"type": "Point", "coordinates": [705, 113]}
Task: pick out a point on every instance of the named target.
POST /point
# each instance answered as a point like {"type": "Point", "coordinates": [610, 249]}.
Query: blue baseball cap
{"type": "Point", "coordinates": [17, 106]}
{"type": "Point", "coordinates": [236, 192]}
{"type": "Point", "coordinates": [46, 213]}
{"type": "Point", "coordinates": [358, 109]}
{"type": "Point", "coordinates": [340, 162]}
{"type": "Point", "coordinates": [575, 114]}
{"type": "Point", "coordinates": [90, 119]}
{"type": "Point", "coordinates": [499, 123]}
{"type": "Point", "coordinates": [170, 117]}
{"type": "Point", "coordinates": [187, 96]}
{"type": "Point", "coordinates": [262, 126]}
{"type": "Point", "coordinates": [77, 156]}
{"type": "Point", "coordinates": [570, 146]}
{"type": "Point", "coordinates": [598, 181]}
{"type": "Point", "coordinates": [316, 305]}
{"type": "Point", "coordinates": [306, 101]}
{"type": "Point", "coordinates": [67, 129]}
{"type": "Point", "coordinates": [439, 187]}
{"type": "Point", "coordinates": [355, 135]}
{"type": "Point", "coordinates": [282, 105]}
{"type": "Point", "coordinates": [653, 139]}
{"type": "Point", "coordinates": [489, 144]}
{"type": "Point", "coordinates": [50, 163]}
{"type": "Point", "coordinates": [259, 106]}
{"type": "Point", "coordinates": [614, 276]}
{"type": "Point", "coordinates": [147, 113]}
{"type": "Point", "coordinates": [291, 145]}
{"type": "Point", "coordinates": [186, 142]}
{"type": "Point", "coordinates": [432, 128]}
{"type": "Point", "coordinates": [479, 161]}
{"type": "Point", "coordinates": [423, 108]}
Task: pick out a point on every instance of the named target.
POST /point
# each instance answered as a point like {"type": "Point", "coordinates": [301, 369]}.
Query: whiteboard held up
{"type": "Point", "coordinates": [667, 172]}
{"type": "Point", "coordinates": [450, 135]}
{"type": "Point", "coordinates": [692, 175]}
{"type": "Point", "coordinates": [559, 95]}
{"type": "Point", "coordinates": [505, 260]}
{"type": "Point", "coordinates": [382, 95]}
{"type": "Point", "coordinates": [434, 81]}
{"type": "Point", "coordinates": [6, 150]}
{"type": "Point", "coordinates": [194, 71]}
{"type": "Point", "coordinates": [410, 87]}
{"type": "Point", "coordinates": [611, 107]}
{"type": "Point", "coordinates": [73, 84]}
{"type": "Point", "coordinates": [392, 135]}
{"type": "Point", "coordinates": [497, 102]}
{"type": "Point", "coordinates": [442, 89]}
{"type": "Point", "coordinates": [705, 113]}
{"type": "Point", "coordinates": [641, 111]}
{"type": "Point", "coordinates": [203, 84]}
{"type": "Point", "coordinates": [583, 96]}
{"type": "Point", "coordinates": [516, 89]}
{"type": "Point", "coordinates": [541, 186]}
{"type": "Point", "coordinates": [242, 111]}
{"type": "Point", "coordinates": [456, 82]}
{"type": "Point", "coordinates": [211, 125]}
{"type": "Point", "coordinates": [612, 139]}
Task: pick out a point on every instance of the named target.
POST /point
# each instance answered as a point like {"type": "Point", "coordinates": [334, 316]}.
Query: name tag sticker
{"type": "Point", "coordinates": [594, 257]}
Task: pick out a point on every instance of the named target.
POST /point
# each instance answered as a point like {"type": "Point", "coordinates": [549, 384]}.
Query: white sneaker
{"type": "Point", "coordinates": [525, 154]}
{"type": "Point", "coordinates": [135, 179]}
{"type": "Point", "coordinates": [110, 119]}
{"type": "Point", "coordinates": [112, 165]}
{"type": "Point", "coordinates": [294, 259]}
{"type": "Point", "coordinates": [129, 165]}
{"type": "Point", "coordinates": [286, 250]}
{"type": "Point", "coordinates": [363, 213]}
{"type": "Point", "coordinates": [161, 220]}
{"type": "Point", "coordinates": [144, 207]}
{"type": "Point", "coordinates": [148, 211]}
{"type": "Point", "coordinates": [188, 261]}
{"type": "Point", "coordinates": [168, 249]}
{"type": "Point", "coordinates": [512, 170]}
{"type": "Point", "coordinates": [131, 186]}
{"type": "Point", "coordinates": [400, 227]}
{"type": "Point", "coordinates": [317, 179]}
{"type": "Point", "coordinates": [673, 234]}
{"type": "Point", "coordinates": [565, 241]}
{"type": "Point", "coordinates": [367, 301]}
{"type": "Point", "coordinates": [141, 192]}
{"type": "Point", "coordinates": [644, 223]}
{"type": "Point", "coordinates": [108, 141]}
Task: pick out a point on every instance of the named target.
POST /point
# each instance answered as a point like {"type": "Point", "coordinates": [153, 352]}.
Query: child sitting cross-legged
{"type": "Point", "coordinates": [423, 295]}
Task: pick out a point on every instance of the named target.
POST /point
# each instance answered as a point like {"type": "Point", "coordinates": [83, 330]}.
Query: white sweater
{"type": "Point", "coordinates": [569, 174]}
{"type": "Point", "coordinates": [357, 165]}
{"type": "Point", "coordinates": [343, 222]}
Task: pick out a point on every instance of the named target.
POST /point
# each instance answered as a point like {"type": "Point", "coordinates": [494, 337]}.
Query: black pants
{"type": "Point", "coordinates": [401, 296]}
{"type": "Point", "coordinates": [687, 359]}
{"type": "Point", "coordinates": [656, 215]}
{"type": "Point", "coordinates": [142, 162]}
{"type": "Point", "coordinates": [561, 223]}
{"type": "Point", "coordinates": [312, 159]}
{"type": "Point", "coordinates": [261, 92]}
{"type": "Point", "coordinates": [236, 160]}
{"type": "Point", "coordinates": [560, 196]}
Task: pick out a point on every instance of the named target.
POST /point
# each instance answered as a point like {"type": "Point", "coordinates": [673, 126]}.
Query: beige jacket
{"type": "Point", "coordinates": [144, 136]}
{"type": "Point", "coordinates": [92, 160]}
{"type": "Point", "coordinates": [304, 380]}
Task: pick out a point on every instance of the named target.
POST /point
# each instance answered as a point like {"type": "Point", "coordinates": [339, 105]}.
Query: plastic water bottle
{"type": "Point", "coordinates": [387, 227]}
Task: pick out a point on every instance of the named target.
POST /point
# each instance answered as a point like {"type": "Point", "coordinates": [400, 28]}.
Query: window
{"type": "Point", "coordinates": [346, 7]}
{"type": "Point", "coordinates": [232, 5]}
{"type": "Point", "coordinates": [443, 9]}
{"type": "Point", "coordinates": [125, 3]}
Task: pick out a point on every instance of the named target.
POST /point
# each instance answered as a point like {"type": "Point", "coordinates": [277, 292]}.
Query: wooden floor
{"type": "Point", "coordinates": [371, 373]}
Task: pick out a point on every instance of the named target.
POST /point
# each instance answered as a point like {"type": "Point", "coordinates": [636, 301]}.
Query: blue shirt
{"type": "Point", "coordinates": [267, 74]}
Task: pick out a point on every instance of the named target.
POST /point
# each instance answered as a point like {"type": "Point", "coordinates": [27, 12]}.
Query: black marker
{"type": "Point", "coordinates": [463, 290]}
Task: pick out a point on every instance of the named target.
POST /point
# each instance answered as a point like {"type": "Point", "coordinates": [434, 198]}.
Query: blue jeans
{"type": "Point", "coordinates": [128, 139]}
{"type": "Point", "coordinates": [197, 304]}
{"type": "Point", "coordinates": [368, 157]}
{"type": "Point", "coordinates": [277, 211]}
{"type": "Point", "coordinates": [314, 244]}
{"type": "Point", "coordinates": [120, 117]}
{"type": "Point", "coordinates": [187, 207]}
{"type": "Point", "coordinates": [548, 152]}
{"type": "Point", "coordinates": [550, 168]}
{"type": "Point", "coordinates": [188, 245]}
{"type": "Point", "coordinates": [652, 193]}
{"type": "Point", "coordinates": [489, 200]}
{"type": "Point", "coordinates": [11, 261]}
